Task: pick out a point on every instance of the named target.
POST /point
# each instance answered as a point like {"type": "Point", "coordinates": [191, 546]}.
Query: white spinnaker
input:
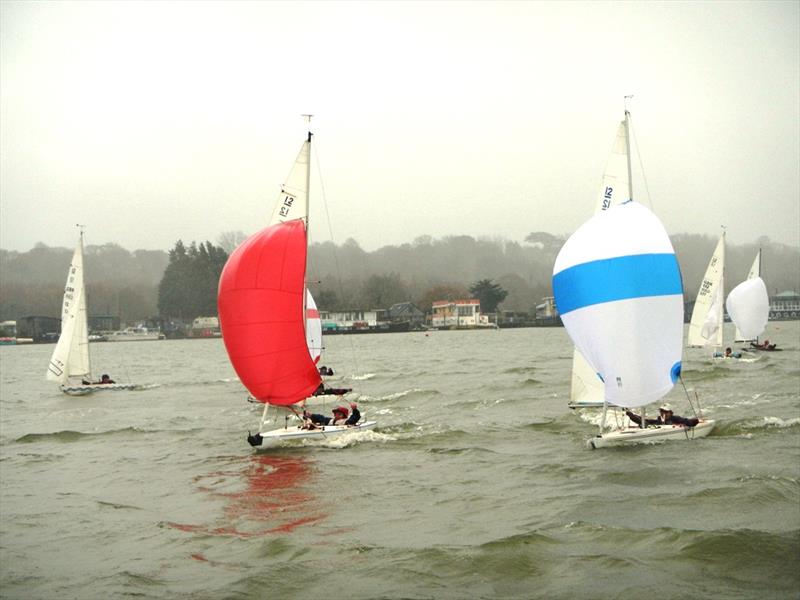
{"type": "Point", "coordinates": [293, 201]}
{"type": "Point", "coordinates": [587, 388]}
{"type": "Point", "coordinates": [71, 355]}
{"type": "Point", "coordinates": [755, 271]}
{"type": "Point", "coordinates": [748, 306]}
{"type": "Point", "coordinates": [635, 341]}
{"type": "Point", "coordinates": [705, 328]}
{"type": "Point", "coordinates": [313, 328]}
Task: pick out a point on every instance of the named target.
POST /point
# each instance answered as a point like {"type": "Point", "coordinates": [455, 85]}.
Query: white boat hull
{"type": "Point", "coordinates": [83, 390]}
{"type": "Point", "coordinates": [274, 437]}
{"type": "Point", "coordinates": [650, 435]}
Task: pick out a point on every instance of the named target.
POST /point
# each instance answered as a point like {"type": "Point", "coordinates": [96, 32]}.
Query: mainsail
{"type": "Point", "coordinates": [587, 388]}
{"type": "Point", "coordinates": [71, 355]}
{"type": "Point", "coordinates": [618, 288]}
{"type": "Point", "coordinates": [705, 328]}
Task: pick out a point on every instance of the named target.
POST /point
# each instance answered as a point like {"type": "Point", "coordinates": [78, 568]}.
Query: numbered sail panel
{"type": "Point", "coordinates": [293, 200]}
{"type": "Point", "coordinates": [616, 185]}
{"type": "Point", "coordinates": [705, 327]}
{"type": "Point", "coordinates": [618, 289]}
{"type": "Point", "coordinates": [261, 311]}
{"type": "Point", "coordinates": [748, 307]}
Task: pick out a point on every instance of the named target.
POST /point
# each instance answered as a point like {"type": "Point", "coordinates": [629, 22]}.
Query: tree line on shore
{"type": "Point", "coordinates": [182, 283]}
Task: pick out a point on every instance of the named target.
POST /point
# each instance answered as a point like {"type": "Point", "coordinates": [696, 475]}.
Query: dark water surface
{"type": "Point", "coordinates": [476, 484]}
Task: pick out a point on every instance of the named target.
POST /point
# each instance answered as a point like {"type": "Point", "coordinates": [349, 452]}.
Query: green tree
{"type": "Point", "coordinates": [381, 291]}
{"type": "Point", "coordinates": [490, 294]}
{"type": "Point", "coordinates": [189, 286]}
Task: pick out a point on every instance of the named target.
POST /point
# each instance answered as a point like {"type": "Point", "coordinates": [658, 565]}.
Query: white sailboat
{"type": "Point", "coordinates": [586, 390]}
{"type": "Point", "coordinates": [748, 305]}
{"type": "Point", "coordinates": [267, 317]}
{"type": "Point", "coordinates": [70, 365]}
{"type": "Point", "coordinates": [705, 328]}
{"type": "Point", "coordinates": [618, 287]}
{"type": "Point", "coordinates": [751, 306]}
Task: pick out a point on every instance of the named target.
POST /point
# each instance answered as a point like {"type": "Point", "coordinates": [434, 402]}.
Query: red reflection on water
{"type": "Point", "coordinates": [274, 498]}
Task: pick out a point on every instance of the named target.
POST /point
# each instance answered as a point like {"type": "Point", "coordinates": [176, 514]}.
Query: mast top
{"type": "Point", "coordinates": [307, 117]}
{"type": "Point", "coordinates": [625, 99]}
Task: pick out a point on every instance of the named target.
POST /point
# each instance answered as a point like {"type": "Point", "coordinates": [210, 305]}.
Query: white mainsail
{"type": "Point", "coordinates": [618, 287]}
{"type": "Point", "coordinates": [293, 204]}
{"type": "Point", "coordinates": [705, 328]}
{"type": "Point", "coordinates": [755, 271]}
{"type": "Point", "coordinates": [71, 355]}
{"type": "Point", "coordinates": [748, 306]}
{"type": "Point", "coordinates": [587, 388]}
{"type": "Point", "coordinates": [293, 201]}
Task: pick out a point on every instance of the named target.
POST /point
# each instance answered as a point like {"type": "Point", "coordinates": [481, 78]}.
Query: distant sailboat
{"type": "Point", "coordinates": [751, 305]}
{"type": "Point", "coordinates": [264, 312]}
{"type": "Point", "coordinates": [618, 288]}
{"type": "Point", "coordinates": [70, 365]}
{"type": "Point", "coordinates": [705, 328]}
{"type": "Point", "coordinates": [586, 390]}
{"type": "Point", "coordinates": [748, 305]}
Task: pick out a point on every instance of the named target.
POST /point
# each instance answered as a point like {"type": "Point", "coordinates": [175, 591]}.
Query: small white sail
{"type": "Point", "coordinates": [313, 328]}
{"type": "Point", "coordinates": [71, 355]}
{"type": "Point", "coordinates": [755, 271]}
{"type": "Point", "coordinates": [618, 287]}
{"type": "Point", "coordinates": [705, 328]}
{"type": "Point", "coordinates": [748, 306]}
{"type": "Point", "coordinates": [293, 201]}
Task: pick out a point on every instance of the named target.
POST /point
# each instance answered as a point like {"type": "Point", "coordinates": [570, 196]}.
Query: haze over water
{"type": "Point", "coordinates": [476, 483]}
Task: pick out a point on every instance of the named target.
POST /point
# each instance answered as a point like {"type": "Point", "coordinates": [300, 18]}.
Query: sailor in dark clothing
{"type": "Point", "coordinates": [327, 371]}
{"type": "Point", "coordinates": [313, 420]}
{"type": "Point", "coordinates": [355, 415]}
{"type": "Point", "coordinates": [322, 390]}
{"type": "Point", "coordinates": [665, 417]}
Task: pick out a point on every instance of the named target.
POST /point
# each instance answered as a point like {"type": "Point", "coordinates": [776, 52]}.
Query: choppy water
{"type": "Point", "coordinates": [477, 483]}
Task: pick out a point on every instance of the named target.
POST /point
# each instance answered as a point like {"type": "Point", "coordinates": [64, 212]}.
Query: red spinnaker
{"type": "Point", "coordinates": [260, 301]}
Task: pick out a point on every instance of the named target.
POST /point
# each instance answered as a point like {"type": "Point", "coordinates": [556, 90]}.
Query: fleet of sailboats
{"type": "Point", "coordinates": [616, 282]}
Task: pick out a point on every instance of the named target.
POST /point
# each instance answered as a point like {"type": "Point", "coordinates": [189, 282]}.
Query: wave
{"type": "Point", "coordinates": [756, 424]}
{"type": "Point", "coordinates": [519, 370]}
{"type": "Point", "coordinates": [69, 436]}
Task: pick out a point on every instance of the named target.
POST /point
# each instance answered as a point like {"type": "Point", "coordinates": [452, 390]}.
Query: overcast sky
{"type": "Point", "coordinates": [154, 121]}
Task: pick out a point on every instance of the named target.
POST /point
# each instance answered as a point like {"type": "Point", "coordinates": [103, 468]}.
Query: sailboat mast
{"type": "Point", "coordinates": [628, 152]}
{"type": "Point", "coordinates": [85, 316]}
{"type": "Point", "coordinates": [308, 220]}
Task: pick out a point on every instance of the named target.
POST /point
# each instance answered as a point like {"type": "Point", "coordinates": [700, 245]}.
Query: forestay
{"type": "Point", "coordinates": [618, 288]}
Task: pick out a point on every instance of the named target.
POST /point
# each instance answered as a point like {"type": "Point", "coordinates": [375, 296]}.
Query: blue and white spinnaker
{"type": "Point", "coordinates": [617, 285]}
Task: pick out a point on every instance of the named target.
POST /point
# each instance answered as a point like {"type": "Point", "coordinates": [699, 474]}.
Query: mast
{"type": "Point", "coordinates": [82, 308]}
{"type": "Point", "coordinates": [308, 221]}
{"type": "Point", "coordinates": [628, 147]}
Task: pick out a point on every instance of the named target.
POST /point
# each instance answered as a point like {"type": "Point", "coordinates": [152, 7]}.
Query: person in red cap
{"type": "Point", "coordinates": [339, 415]}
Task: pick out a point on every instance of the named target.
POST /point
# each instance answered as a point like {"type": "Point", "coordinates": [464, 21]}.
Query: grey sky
{"type": "Point", "coordinates": [153, 121]}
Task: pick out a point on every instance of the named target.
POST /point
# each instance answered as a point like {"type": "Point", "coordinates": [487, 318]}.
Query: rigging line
{"type": "Point", "coordinates": [641, 165]}
{"type": "Point", "coordinates": [689, 398]}
{"type": "Point", "coordinates": [353, 354]}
